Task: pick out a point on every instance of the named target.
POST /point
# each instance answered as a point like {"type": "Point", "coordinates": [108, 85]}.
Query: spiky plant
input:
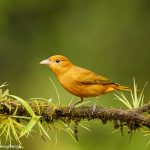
{"type": "Point", "coordinates": [136, 98]}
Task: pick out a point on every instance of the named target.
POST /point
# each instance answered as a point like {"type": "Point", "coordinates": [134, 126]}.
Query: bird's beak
{"type": "Point", "coordinates": [45, 62]}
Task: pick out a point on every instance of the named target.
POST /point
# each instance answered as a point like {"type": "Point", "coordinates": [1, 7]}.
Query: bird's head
{"type": "Point", "coordinates": [58, 63]}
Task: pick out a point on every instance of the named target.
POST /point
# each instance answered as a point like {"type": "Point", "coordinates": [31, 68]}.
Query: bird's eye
{"type": "Point", "coordinates": [57, 60]}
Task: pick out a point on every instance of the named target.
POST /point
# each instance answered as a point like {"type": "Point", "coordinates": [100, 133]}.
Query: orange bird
{"type": "Point", "coordinates": [79, 81]}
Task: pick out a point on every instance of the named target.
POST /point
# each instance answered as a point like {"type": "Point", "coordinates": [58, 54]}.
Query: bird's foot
{"type": "Point", "coordinates": [72, 106]}
{"type": "Point", "coordinates": [94, 107]}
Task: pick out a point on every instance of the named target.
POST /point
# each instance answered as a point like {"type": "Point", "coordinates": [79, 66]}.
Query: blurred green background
{"type": "Point", "coordinates": [111, 38]}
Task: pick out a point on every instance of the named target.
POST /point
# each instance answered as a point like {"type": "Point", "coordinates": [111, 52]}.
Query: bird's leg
{"type": "Point", "coordinates": [81, 100]}
{"type": "Point", "coordinates": [94, 106]}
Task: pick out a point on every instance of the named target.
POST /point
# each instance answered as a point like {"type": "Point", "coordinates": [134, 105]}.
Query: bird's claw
{"type": "Point", "coordinates": [71, 107]}
{"type": "Point", "coordinates": [94, 107]}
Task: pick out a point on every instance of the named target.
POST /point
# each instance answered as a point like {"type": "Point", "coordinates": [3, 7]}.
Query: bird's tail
{"type": "Point", "coordinates": [125, 88]}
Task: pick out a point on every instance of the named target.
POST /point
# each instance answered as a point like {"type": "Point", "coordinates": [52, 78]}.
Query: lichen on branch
{"type": "Point", "coordinates": [133, 119]}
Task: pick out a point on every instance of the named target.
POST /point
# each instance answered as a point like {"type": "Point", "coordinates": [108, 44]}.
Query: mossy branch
{"type": "Point", "coordinates": [133, 119]}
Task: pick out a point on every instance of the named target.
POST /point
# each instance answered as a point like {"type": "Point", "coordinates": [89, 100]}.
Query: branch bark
{"type": "Point", "coordinates": [133, 119]}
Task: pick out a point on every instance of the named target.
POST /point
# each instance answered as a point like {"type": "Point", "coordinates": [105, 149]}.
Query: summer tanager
{"type": "Point", "coordinates": [79, 81]}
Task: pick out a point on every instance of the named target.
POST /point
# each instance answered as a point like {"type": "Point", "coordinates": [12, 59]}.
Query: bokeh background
{"type": "Point", "coordinates": [111, 38]}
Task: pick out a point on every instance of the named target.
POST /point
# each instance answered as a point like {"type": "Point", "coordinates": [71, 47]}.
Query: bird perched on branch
{"type": "Point", "coordinates": [79, 81]}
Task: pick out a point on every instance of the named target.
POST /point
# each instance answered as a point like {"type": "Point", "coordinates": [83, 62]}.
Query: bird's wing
{"type": "Point", "coordinates": [88, 77]}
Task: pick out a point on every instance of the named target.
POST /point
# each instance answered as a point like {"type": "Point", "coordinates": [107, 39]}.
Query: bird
{"type": "Point", "coordinates": [79, 81]}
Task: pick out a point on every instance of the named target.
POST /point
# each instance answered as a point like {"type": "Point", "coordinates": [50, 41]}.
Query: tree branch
{"type": "Point", "coordinates": [133, 119]}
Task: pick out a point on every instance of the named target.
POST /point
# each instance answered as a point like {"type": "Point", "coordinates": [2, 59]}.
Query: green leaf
{"type": "Point", "coordinates": [3, 85]}
{"type": "Point", "coordinates": [25, 104]}
{"type": "Point", "coordinates": [6, 93]}
{"type": "Point", "coordinates": [29, 126]}
{"type": "Point", "coordinates": [0, 93]}
{"type": "Point", "coordinates": [42, 128]}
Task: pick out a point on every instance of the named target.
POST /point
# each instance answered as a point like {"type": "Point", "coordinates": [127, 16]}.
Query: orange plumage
{"type": "Point", "coordinates": [79, 81]}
